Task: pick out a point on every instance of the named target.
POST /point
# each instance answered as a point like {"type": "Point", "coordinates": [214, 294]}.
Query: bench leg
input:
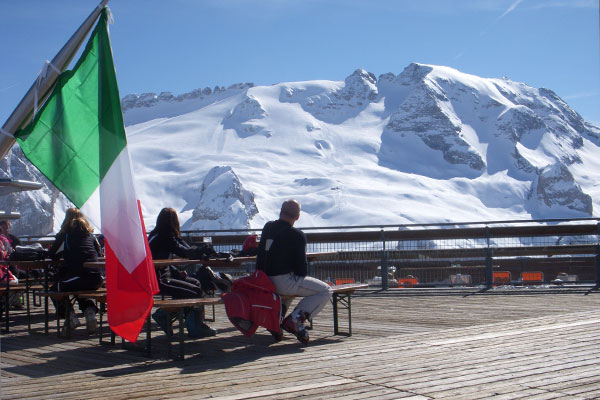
{"type": "Point", "coordinates": [46, 309]}
{"type": "Point", "coordinates": [101, 322]}
{"type": "Point", "coordinates": [169, 334]}
{"type": "Point", "coordinates": [181, 334]}
{"type": "Point", "coordinates": [6, 312]}
{"type": "Point", "coordinates": [149, 334]}
{"type": "Point", "coordinates": [213, 319]}
{"type": "Point", "coordinates": [67, 319]}
{"type": "Point", "coordinates": [345, 301]}
{"type": "Point", "coordinates": [27, 305]}
{"type": "Point", "coordinates": [179, 316]}
{"type": "Point", "coordinates": [349, 315]}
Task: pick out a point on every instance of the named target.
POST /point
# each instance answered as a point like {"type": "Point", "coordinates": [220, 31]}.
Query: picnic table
{"type": "Point", "coordinates": [27, 266]}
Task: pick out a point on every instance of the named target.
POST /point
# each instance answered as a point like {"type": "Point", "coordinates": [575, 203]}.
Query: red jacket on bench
{"type": "Point", "coordinates": [253, 302]}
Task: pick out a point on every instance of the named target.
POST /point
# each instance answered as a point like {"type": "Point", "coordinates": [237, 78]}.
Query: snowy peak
{"type": "Point", "coordinates": [148, 106]}
{"type": "Point", "coordinates": [335, 103]}
{"type": "Point", "coordinates": [223, 202]}
{"type": "Point", "coordinates": [245, 118]}
{"type": "Point", "coordinates": [152, 99]}
{"type": "Point", "coordinates": [430, 144]}
{"type": "Point", "coordinates": [466, 120]}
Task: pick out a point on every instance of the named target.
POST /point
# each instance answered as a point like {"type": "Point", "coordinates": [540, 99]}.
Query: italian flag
{"type": "Point", "coordinates": [78, 142]}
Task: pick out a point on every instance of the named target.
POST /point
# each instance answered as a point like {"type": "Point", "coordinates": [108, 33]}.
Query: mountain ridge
{"type": "Point", "coordinates": [431, 144]}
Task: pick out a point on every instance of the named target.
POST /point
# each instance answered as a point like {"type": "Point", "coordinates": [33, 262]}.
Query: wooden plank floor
{"type": "Point", "coordinates": [413, 344]}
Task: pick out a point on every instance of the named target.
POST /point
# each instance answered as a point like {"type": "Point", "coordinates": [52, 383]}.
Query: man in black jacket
{"type": "Point", "coordinates": [282, 256]}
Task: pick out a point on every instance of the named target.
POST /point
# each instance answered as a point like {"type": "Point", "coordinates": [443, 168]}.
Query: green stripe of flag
{"type": "Point", "coordinates": [79, 132]}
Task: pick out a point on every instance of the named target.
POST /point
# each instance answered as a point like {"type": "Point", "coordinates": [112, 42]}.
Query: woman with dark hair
{"type": "Point", "coordinates": [165, 241]}
{"type": "Point", "coordinates": [78, 246]}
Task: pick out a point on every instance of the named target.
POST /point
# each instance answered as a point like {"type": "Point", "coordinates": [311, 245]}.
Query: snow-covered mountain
{"type": "Point", "coordinates": [430, 144]}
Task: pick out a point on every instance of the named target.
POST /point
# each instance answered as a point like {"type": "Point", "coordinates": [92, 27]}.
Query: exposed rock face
{"type": "Point", "coordinates": [421, 108]}
{"type": "Point", "coordinates": [556, 187]}
{"type": "Point", "coordinates": [152, 99]}
{"type": "Point", "coordinates": [223, 202]}
{"type": "Point", "coordinates": [244, 118]}
{"type": "Point", "coordinates": [37, 208]}
{"type": "Point", "coordinates": [340, 104]}
{"type": "Point", "coordinates": [472, 123]}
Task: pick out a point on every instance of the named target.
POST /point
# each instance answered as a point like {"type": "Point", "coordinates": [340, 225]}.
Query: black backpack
{"type": "Point", "coordinates": [32, 252]}
{"type": "Point", "coordinates": [203, 251]}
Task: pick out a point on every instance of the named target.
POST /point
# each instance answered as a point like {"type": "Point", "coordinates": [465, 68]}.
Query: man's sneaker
{"type": "Point", "coordinates": [91, 324]}
{"type": "Point", "coordinates": [302, 335]}
{"type": "Point", "coordinates": [73, 324]}
{"type": "Point", "coordinates": [161, 317]}
{"type": "Point", "coordinates": [288, 325]}
{"type": "Point", "coordinates": [294, 324]}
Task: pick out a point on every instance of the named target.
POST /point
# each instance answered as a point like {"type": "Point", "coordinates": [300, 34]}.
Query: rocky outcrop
{"type": "Point", "coordinates": [37, 208]}
{"type": "Point", "coordinates": [337, 105]}
{"type": "Point", "coordinates": [146, 100]}
{"type": "Point", "coordinates": [244, 118]}
{"type": "Point", "coordinates": [424, 111]}
{"type": "Point", "coordinates": [555, 186]}
{"type": "Point", "coordinates": [223, 202]}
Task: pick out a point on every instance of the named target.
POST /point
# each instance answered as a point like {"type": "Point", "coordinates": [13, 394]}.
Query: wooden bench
{"type": "Point", "coordinates": [100, 298]}
{"type": "Point", "coordinates": [177, 307]}
{"type": "Point", "coordinates": [64, 297]}
{"type": "Point", "coordinates": [341, 299]}
{"type": "Point", "coordinates": [16, 288]}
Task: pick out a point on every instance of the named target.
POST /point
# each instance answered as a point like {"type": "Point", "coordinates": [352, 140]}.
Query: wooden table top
{"type": "Point", "coordinates": [29, 265]}
{"type": "Point", "coordinates": [212, 262]}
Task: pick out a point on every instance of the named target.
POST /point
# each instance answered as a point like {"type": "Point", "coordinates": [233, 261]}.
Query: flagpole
{"type": "Point", "coordinates": [24, 111]}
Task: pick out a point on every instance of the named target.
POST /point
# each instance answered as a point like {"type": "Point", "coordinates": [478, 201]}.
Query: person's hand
{"type": "Point", "coordinates": [183, 275]}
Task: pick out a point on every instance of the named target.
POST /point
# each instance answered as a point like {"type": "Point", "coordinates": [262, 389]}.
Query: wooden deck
{"type": "Point", "coordinates": [407, 343]}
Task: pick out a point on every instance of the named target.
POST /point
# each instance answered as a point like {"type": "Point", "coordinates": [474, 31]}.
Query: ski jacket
{"type": "Point", "coordinates": [253, 302]}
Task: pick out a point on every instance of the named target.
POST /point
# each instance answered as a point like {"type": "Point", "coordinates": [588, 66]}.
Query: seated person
{"type": "Point", "coordinates": [7, 246]}
{"type": "Point", "coordinates": [78, 246]}
{"type": "Point", "coordinates": [165, 241]}
{"type": "Point", "coordinates": [12, 241]}
{"type": "Point", "coordinates": [282, 256]}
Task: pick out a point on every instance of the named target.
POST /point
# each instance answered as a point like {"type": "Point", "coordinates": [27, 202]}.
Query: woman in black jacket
{"type": "Point", "coordinates": [78, 246]}
{"type": "Point", "coordinates": [165, 242]}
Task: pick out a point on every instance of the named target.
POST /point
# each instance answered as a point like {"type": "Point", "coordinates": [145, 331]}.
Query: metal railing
{"type": "Point", "coordinates": [448, 254]}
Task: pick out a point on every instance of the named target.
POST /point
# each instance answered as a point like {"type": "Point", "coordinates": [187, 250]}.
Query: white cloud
{"type": "Point", "coordinates": [511, 8]}
{"type": "Point", "coordinates": [565, 4]}
{"type": "Point", "coordinates": [582, 95]}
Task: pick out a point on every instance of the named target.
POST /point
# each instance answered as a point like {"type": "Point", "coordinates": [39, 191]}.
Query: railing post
{"type": "Point", "coordinates": [489, 268]}
{"type": "Point", "coordinates": [598, 255]}
{"type": "Point", "coordinates": [384, 267]}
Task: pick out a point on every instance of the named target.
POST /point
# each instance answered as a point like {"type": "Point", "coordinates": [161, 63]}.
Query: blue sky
{"type": "Point", "coordinates": [181, 45]}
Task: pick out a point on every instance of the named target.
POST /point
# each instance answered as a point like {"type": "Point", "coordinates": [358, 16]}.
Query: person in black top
{"type": "Point", "coordinates": [78, 246]}
{"type": "Point", "coordinates": [282, 256]}
{"type": "Point", "coordinates": [165, 241]}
